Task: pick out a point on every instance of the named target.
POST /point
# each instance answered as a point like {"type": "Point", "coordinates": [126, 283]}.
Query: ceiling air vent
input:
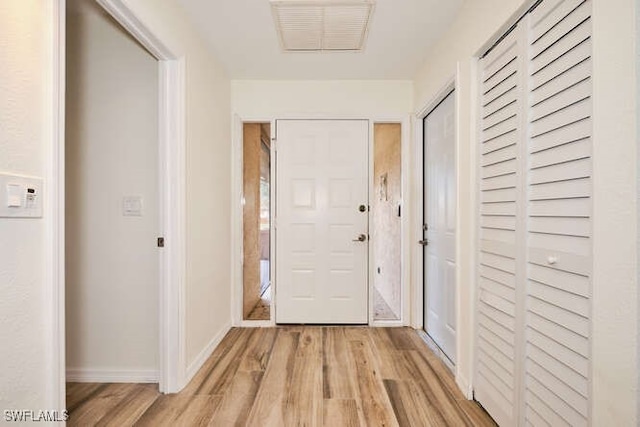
{"type": "Point", "coordinates": [316, 25]}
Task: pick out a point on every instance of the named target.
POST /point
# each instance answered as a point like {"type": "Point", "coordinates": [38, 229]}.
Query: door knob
{"type": "Point", "coordinates": [423, 242]}
{"type": "Point", "coordinates": [361, 238]}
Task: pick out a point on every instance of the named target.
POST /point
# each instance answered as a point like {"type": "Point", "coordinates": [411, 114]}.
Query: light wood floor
{"type": "Point", "coordinates": [302, 376]}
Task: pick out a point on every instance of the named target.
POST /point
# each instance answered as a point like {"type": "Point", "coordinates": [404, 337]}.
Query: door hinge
{"type": "Point", "coordinates": [161, 242]}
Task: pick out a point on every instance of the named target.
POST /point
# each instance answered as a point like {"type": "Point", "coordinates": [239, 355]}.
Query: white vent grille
{"type": "Point", "coordinates": [309, 25]}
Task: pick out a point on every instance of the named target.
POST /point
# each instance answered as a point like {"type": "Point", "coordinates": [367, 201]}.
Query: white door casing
{"type": "Point", "coordinates": [440, 223]}
{"type": "Point", "coordinates": [321, 181]}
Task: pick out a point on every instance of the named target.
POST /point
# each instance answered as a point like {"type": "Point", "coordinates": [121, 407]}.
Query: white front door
{"type": "Point", "coordinates": [440, 226]}
{"type": "Point", "coordinates": [322, 180]}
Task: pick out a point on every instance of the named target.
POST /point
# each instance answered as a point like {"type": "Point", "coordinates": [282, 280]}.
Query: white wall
{"type": "Point", "coordinates": [112, 283]}
{"type": "Point", "coordinates": [27, 97]}
{"type": "Point", "coordinates": [266, 100]}
{"type": "Point", "coordinates": [208, 140]}
{"type": "Point", "coordinates": [450, 58]}
{"type": "Point", "coordinates": [282, 98]}
{"type": "Point", "coordinates": [615, 297]}
{"type": "Point", "coordinates": [615, 171]}
{"type": "Point", "coordinates": [26, 77]}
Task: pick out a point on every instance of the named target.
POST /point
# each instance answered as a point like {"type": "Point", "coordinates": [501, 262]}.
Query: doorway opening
{"type": "Point", "coordinates": [256, 218]}
{"type": "Point", "coordinates": [386, 229]}
{"type": "Point", "coordinates": [112, 203]}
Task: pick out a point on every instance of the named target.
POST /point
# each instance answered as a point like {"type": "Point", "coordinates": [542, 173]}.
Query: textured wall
{"type": "Point", "coordinates": [332, 98]}
{"type": "Point", "coordinates": [386, 230]}
{"type": "Point", "coordinates": [251, 217]}
{"type": "Point", "coordinates": [208, 140]}
{"type": "Point", "coordinates": [25, 119]}
{"type": "Point", "coordinates": [112, 284]}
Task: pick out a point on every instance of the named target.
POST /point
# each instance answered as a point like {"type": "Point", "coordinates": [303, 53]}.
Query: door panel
{"type": "Point", "coordinates": [440, 221]}
{"type": "Point", "coordinates": [322, 179]}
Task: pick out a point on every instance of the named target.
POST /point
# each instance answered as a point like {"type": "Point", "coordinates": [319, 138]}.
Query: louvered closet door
{"type": "Point", "coordinates": [500, 197]}
{"type": "Point", "coordinates": [534, 284]}
{"type": "Point", "coordinates": [558, 302]}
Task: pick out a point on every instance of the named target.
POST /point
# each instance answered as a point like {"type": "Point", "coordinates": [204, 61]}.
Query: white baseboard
{"type": "Point", "coordinates": [465, 386]}
{"type": "Point", "coordinates": [86, 375]}
{"type": "Point", "coordinates": [206, 352]}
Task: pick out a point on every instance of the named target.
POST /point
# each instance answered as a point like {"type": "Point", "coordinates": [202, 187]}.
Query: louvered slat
{"type": "Point", "coordinates": [558, 307]}
{"type": "Point", "coordinates": [500, 143]}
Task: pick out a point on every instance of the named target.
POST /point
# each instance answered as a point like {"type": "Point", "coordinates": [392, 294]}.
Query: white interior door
{"type": "Point", "coordinates": [321, 181]}
{"type": "Point", "coordinates": [440, 226]}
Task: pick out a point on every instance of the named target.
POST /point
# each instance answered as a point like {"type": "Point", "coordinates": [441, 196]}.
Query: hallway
{"type": "Point", "coordinates": [295, 375]}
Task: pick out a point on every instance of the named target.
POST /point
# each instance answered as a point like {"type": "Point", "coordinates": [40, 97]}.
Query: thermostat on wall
{"type": "Point", "coordinates": [20, 196]}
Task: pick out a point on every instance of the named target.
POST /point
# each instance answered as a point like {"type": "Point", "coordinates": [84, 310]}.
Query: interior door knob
{"type": "Point", "coordinates": [361, 238]}
{"type": "Point", "coordinates": [423, 242]}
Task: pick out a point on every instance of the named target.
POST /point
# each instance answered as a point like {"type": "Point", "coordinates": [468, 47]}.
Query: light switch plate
{"type": "Point", "coordinates": [132, 206]}
{"type": "Point", "coordinates": [20, 196]}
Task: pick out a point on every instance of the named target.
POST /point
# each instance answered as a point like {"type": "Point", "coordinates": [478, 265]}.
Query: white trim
{"type": "Point", "coordinates": [417, 312]}
{"type": "Point", "coordinates": [54, 217]}
{"type": "Point", "coordinates": [371, 273]}
{"type": "Point", "coordinates": [142, 33]}
{"type": "Point", "coordinates": [405, 221]}
{"type": "Point", "coordinates": [172, 316]}
{"type": "Point", "coordinates": [237, 130]}
{"type": "Point", "coordinates": [273, 133]}
{"type": "Point", "coordinates": [236, 220]}
{"type": "Point", "coordinates": [172, 342]}
{"type": "Point", "coordinates": [172, 350]}
{"type": "Point", "coordinates": [84, 375]}
{"type": "Point", "coordinates": [206, 352]}
{"type": "Point", "coordinates": [236, 213]}
{"type": "Point", "coordinates": [417, 320]}
{"type": "Point", "coordinates": [474, 237]}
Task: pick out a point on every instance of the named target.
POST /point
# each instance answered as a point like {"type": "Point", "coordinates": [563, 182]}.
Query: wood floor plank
{"type": "Point", "coordinates": [238, 400]}
{"type": "Point", "coordinates": [199, 411]}
{"type": "Point", "coordinates": [258, 350]}
{"type": "Point", "coordinates": [132, 406]}
{"type": "Point", "coordinates": [92, 410]}
{"type": "Point", "coordinates": [221, 374]}
{"type": "Point", "coordinates": [338, 367]}
{"type": "Point", "coordinates": [388, 355]}
{"type": "Point", "coordinates": [295, 375]}
{"type": "Point", "coordinates": [435, 391]}
{"type": "Point", "coordinates": [409, 405]}
{"type": "Point", "coordinates": [165, 410]}
{"type": "Point", "coordinates": [268, 407]}
{"type": "Point", "coordinates": [78, 393]}
{"type": "Point", "coordinates": [340, 412]}
{"type": "Point", "coordinates": [476, 415]}
{"type": "Point", "coordinates": [400, 338]}
{"type": "Point", "coordinates": [303, 406]}
{"type": "Point", "coordinates": [375, 402]}
{"type": "Point", "coordinates": [222, 350]}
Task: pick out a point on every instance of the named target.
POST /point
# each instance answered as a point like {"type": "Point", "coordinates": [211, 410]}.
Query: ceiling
{"type": "Point", "coordinates": [242, 36]}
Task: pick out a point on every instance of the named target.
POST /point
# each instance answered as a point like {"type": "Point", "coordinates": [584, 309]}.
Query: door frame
{"type": "Point", "coordinates": [237, 224]}
{"type": "Point", "coordinates": [171, 179]}
{"type": "Point", "coordinates": [418, 260]}
{"type": "Point", "coordinates": [236, 212]}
